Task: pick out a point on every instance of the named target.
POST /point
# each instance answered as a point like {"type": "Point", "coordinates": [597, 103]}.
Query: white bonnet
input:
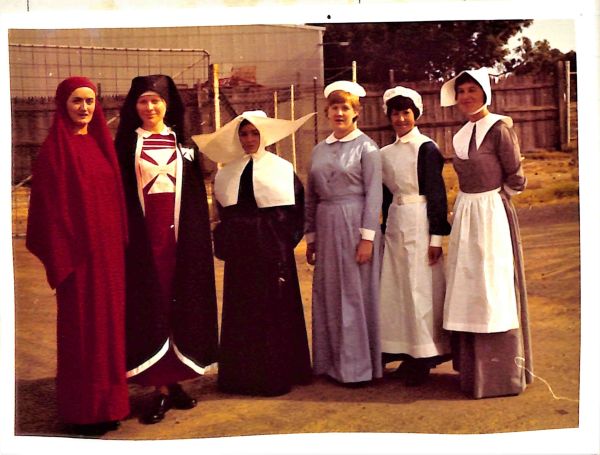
{"type": "Point", "coordinates": [406, 92]}
{"type": "Point", "coordinates": [448, 91]}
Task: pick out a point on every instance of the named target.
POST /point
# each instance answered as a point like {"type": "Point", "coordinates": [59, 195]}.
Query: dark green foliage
{"type": "Point", "coordinates": [538, 58]}
{"type": "Point", "coordinates": [416, 50]}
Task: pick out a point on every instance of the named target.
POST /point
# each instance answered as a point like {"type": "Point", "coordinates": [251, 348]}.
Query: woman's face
{"type": "Point", "coordinates": [341, 116]}
{"type": "Point", "coordinates": [80, 108]}
{"type": "Point", "coordinates": [249, 138]}
{"type": "Point", "coordinates": [469, 97]}
{"type": "Point", "coordinates": [151, 108]}
{"type": "Point", "coordinates": [403, 121]}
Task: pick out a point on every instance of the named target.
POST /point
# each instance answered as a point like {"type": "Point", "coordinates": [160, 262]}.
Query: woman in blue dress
{"type": "Point", "coordinates": [343, 202]}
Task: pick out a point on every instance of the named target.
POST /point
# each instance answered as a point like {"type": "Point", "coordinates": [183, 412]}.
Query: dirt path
{"type": "Point", "coordinates": [551, 245]}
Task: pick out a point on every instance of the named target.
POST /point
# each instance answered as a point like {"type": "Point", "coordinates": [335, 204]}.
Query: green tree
{"type": "Point", "coordinates": [538, 58]}
{"type": "Point", "coordinates": [415, 50]}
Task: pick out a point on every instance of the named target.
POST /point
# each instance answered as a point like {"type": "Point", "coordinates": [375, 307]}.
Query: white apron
{"type": "Point", "coordinates": [480, 296]}
{"type": "Point", "coordinates": [412, 292]}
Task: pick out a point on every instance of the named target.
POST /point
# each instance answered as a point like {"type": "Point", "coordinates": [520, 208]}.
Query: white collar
{"type": "Point", "coordinates": [348, 137]}
{"type": "Point", "coordinates": [272, 180]}
{"type": "Point", "coordinates": [261, 152]}
{"type": "Point", "coordinates": [145, 133]}
{"type": "Point", "coordinates": [462, 139]}
{"type": "Point", "coordinates": [409, 137]}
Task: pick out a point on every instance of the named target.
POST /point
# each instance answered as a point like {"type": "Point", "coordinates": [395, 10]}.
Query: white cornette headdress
{"type": "Point", "coordinates": [346, 86]}
{"type": "Point", "coordinates": [224, 146]}
{"type": "Point", "coordinates": [448, 91]}
{"type": "Point", "coordinates": [406, 92]}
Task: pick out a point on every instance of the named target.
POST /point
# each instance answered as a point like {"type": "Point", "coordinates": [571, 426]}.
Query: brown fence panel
{"type": "Point", "coordinates": [531, 102]}
{"type": "Point", "coordinates": [31, 120]}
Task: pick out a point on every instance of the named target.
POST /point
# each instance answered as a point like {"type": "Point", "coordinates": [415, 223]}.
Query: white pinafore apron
{"type": "Point", "coordinates": [412, 291]}
{"type": "Point", "coordinates": [480, 296]}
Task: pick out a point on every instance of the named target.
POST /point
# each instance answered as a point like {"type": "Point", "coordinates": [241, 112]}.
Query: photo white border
{"type": "Point", "coordinates": [584, 13]}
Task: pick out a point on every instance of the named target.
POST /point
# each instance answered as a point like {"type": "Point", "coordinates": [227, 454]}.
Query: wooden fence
{"type": "Point", "coordinates": [544, 111]}
{"type": "Point", "coordinates": [544, 115]}
{"type": "Point", "coordinates": [32, 117]}
{"type": "Point", "coordinates": [537, 106]}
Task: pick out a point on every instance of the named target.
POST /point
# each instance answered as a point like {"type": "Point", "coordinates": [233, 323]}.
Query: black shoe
{"type": "Point", "coordinates": [180, 399]}
{"type": "Point", "coordinates": [156, 412]}
{"type": "Point", "coordinates": [113, 425]}
{"type": "Point", "coordinates": [95, 429]}
{"type": "Point", "coordinates": [356, 385]}
{"type": "Point", "coordinates": [417, 375]}
{"type": "Point", "coordinates": [402, 371]}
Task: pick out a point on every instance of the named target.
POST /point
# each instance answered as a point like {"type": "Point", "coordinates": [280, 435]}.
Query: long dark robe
{"type": "Point", "coordinates": [264, 346]}
{"type": "Point", "coordinates": [190, 322]}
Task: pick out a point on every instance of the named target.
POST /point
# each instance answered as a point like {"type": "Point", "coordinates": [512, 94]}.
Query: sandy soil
{"type": "Point", "coordinates": [551, 246]}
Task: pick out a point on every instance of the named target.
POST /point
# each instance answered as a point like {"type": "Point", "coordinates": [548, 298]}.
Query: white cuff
{"type": "Point", "coordinates": [436, 240]}
{"type": "Point", "coordinates": [367, 234]}
{"type": "Point", "coordinates": [510, 191]}
{"type": "Point", "coordinates": [309, 237]}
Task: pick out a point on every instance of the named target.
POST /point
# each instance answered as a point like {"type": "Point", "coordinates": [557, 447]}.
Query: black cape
{"type": "Point", "coordinates": [264, 346]}
{"type": "Point", "coordinates": [191, 321]}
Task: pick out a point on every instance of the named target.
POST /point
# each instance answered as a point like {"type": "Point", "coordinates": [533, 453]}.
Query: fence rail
{"type": "Point", "coordinates": [540, 107]}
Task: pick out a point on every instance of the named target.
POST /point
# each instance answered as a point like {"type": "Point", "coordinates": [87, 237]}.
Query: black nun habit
{"type": "Point", "coordinates": [185, 324]}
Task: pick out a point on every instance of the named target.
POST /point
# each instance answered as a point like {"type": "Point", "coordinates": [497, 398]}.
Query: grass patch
{"type": "Point", "coordinates": [552, 178]}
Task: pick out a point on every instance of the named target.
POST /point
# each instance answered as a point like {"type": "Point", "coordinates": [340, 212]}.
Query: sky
{"type": "Point", "coordinates": [560, 33]}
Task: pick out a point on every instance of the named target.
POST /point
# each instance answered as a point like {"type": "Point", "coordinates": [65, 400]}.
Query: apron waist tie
{"type": "Point", "coordinates": [403, 199]}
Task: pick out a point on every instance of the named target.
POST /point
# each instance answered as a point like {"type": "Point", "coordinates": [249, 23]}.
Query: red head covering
{"type": "Point", "coordinates": [56, 227]}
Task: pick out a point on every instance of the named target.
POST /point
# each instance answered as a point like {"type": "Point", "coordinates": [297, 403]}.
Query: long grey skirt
{"type": "Point", "coordinates": [498, 364]}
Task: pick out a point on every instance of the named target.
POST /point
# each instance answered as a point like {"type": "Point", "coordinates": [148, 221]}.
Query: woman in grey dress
{"type": "Point", "coordinates": [343, 202]}
{"type": "Point", "coordinates": [486, 300]}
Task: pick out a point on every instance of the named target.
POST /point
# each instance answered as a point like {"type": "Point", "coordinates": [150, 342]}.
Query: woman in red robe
{"type": "Point", "coordinates": [77, 228]}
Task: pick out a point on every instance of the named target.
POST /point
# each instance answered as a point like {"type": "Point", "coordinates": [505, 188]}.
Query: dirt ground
{"type": "Point", "coordinates": [551, 246]}
{"type": "Point", "coordinates": [386, 406]}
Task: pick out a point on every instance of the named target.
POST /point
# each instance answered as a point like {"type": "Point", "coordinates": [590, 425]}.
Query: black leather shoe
{"type": "Point", "coordinates": [402, 371]}
{"type": "Point", "coordinates": [112, 425]}
{"type": "Point", "coordinates": [156, 412]}
{"type": "Point", "coordinates": [179, 398]}
{"type": "Point", "coordinates": [95, 429]}
{"type": "Point", "coordinates": [418, 375]}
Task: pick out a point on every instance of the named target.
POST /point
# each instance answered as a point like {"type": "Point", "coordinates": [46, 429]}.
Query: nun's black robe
{"type": "Point", "coordinates": [264, 346]}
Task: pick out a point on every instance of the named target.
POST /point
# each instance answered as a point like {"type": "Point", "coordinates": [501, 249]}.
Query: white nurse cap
{"type": "Point", "coordinates": [406, 92]}
{"type": "Point", "coordinates": [346, 86]}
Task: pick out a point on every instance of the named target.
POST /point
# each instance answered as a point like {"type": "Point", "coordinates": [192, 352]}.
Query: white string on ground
{"type": "Point", "coordinates": [556, 397]}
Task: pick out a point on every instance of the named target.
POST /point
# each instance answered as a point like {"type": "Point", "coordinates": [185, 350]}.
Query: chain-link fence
{"type": "Point", "coordinates": [36, 69]}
